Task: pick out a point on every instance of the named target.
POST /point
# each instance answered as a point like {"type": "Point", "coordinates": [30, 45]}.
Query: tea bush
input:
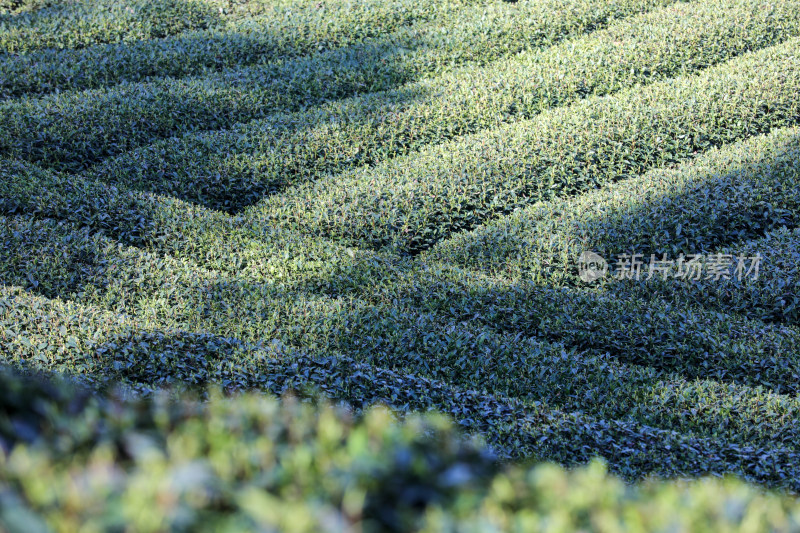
{"type": "Point", "coordinates": [74, 129]}
{"type": "Point", "coordinates": [410, 203]}
{"type": "Point", "coordinates": [209, 205]}
{"type": "Point", "coordinates": [742, 192]}
{"type": "Point", "coordinates": [252, 463]}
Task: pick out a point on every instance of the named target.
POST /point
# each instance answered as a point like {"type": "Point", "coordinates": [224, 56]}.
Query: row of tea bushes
{"type": "Point", "coordinates": [82, 23]}
{"type": "Point", "coordinates": [173, 295]}
{"type": "Point", "coordinates": [148, 359]}
{"type": "Point", "coordinates": [167, 226]}
{"type": "Point", "coordinates": [73, 130]}
{"type": "Point", "coordinates": [410, 203]}
{"type": "Point", "coordinates": [188, 232]}
{"type": "Point", "coordinates": [675, 337]}
{"type": "Point", "coordinates": [737, 193]}
{"type": "Point", "coordinates": [180, 465]}
{"type": "Point", "coordinates": [702, 345]}
{"type": "Point", "coordinates": [731, 193]}
{"type": "Point", "coordinates": [282, 31]}
{"type": "Point", "coordinates": [776, 291]}
{"type": "Point", "coordinates": [232, 169]}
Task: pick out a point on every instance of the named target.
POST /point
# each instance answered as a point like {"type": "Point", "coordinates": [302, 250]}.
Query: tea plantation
{"type": "Point", "coordinates": [233, 232]}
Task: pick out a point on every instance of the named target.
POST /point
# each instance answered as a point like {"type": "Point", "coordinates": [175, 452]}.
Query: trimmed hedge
{"type": "Point", "coordinates": [232, 169]}
{"type": "Point", "coordinates": [691, 337]}
{"type": "Point", "coordinates": [150, 359]}
{"type": "Point", "coordinates": [73, 130]}
{"type": "Point", "coordinates": [163, 293]}
{"type": "Point", "coordinates": [410, 203]}
{"type": "Point", "coordinates": [687, 339]}
{"type": "Point", "coordinates": [79, 24]}
{"type": "Point", "coordinates": [180, 465]}
{"type": "Point", "coordinates": [166, 225]}
{"type": "Point", "coordinates": [278, 30]}
{"type": "Point", "coordinates": [677, 331]}
{"type": "Point", "coordinates": [121, 287]}
{"type": "Point", "coordinates": [738, 193]}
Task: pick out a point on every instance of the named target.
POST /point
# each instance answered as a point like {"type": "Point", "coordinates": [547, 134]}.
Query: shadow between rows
{"type": "Point", "coordinates": [698, 209]}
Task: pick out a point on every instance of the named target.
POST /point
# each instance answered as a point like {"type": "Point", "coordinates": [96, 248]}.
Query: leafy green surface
{"type": "Point", "coordinates": [231, 169]}
{"type": "Point", "coordinates": [252, 463]}
{"type": "Point", "coordinates": [384, 203]}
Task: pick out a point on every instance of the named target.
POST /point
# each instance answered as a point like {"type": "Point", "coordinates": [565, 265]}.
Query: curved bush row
{"type": "Point", "coordinates": [287, 262]}
{"type": "Point", "coordinates": [284, 31]}
{"type": "Point", "coordinates": [73, 130]}
{"type": "Point", "coordinates": [369, 481]}
{"type": "Point", "coordinates": [513, 428]}
{"type": "Point", "coordinates": [643, 332]}
{"type": "Point", "coordinates": [738, 193]}
{"type": "Point", "coordinates": [689, 336]}
{"type": "Point", "coordinates": [674, 337]}
{"type": "Point", "coordinates": [145, 360]}
{"type": "Point", "coordinates": [777, 289]}
{"type": "Point", "coordinates": [678, 340]}
{"type": "Point", "coordinates": [232, 169]}
{"type": "Point", "coordinates": [79, 24]}
{"type": "Point", "coordinates": [168, 226]}
{"type": "Point", "coordinates": [410, 203]}
{"type": "Point", "coordinates": [169, 294]}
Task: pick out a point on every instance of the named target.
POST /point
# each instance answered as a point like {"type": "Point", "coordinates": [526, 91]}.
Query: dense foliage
{"type": "Point", "coordinates": [71, 460]}
{"type": "Point", "coordinates": [384, 202]}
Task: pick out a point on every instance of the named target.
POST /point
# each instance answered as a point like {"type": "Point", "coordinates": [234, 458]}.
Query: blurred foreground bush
{"type": "Point", "coordinates": [71, 460]}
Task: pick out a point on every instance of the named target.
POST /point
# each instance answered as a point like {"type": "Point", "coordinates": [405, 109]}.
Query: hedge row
{"type": "Point", "coordinates": [180, 465]}
{"type": "Point", "coordinates": [152, 359]}
{"type": "Point", "coordinates": [667, 336]}
{"type": "Point", "coordinates": [728, 194]}
{"type": "Point", "coordinates": [288, 262]}
{"type": "Point", "coordinates": [411, 203]}
{"type": "Point", "coordinates": [776, 291]}
{"type": "Point", "coordinates": [232, 169]}
{"type": "Point", "coordinates": [73, 130]}
{"type": "Point", "coordinates": [281, 31]}
{"type": "Point", "coordinates": [692, 341]}
{"type": "Point", "coordinates": [738, 193]}
{"type": "Point", "coordinates": [170, 226]}
{"type": "Point", "coordinates": [79, 24]}
{"type": "Point", "coordinates": [163, 293]}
